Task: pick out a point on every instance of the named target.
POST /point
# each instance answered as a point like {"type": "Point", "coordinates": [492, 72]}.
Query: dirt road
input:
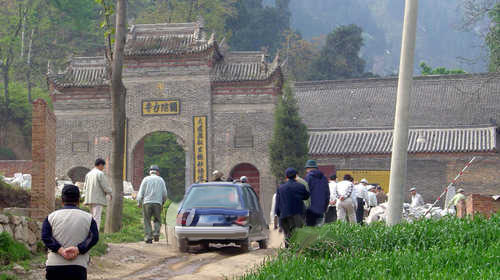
{"type": "Point", "coordinates": [159, 261]}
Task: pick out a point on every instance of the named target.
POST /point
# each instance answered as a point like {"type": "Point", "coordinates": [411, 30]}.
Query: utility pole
{"type": "Point", "coordinates": [400, 138]}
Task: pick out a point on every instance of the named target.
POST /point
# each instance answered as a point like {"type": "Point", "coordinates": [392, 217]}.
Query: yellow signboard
{"type": "Point", "coordinates": [160, 107]}
{"type": "Point", "coordinates": [380, 177]}
{"type": "Point", "coordinates": [200, 149]}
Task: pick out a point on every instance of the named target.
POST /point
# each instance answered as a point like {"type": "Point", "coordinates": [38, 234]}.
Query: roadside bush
{"type": "Point", "coordinates": [450, 248]}
{"type": "Point", "coordinates": [11, 196]}
{"type": "Point", "coordinates": [132, 227]}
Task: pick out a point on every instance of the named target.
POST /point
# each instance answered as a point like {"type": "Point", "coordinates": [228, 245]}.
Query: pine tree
{"type": "Point", "coordinates": [289, 144]}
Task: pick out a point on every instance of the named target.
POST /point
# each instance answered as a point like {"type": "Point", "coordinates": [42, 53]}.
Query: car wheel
{"type": "Point", "coordinates": [182, 245]}
{"type": "Point", "coordinates": [244, 245]}
{"type": "Point", "coordinates": [263, 244]}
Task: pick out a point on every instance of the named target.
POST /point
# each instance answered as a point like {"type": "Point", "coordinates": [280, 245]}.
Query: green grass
{"type": "Point", "coordinates": [12, 251]}
{"type": "Point", "coordinates": [450, 248]}
{"type": "Point", "coordinates": [4, 276]}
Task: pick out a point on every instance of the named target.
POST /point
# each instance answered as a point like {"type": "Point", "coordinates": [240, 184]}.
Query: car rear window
{"type": "Point", "coordinates": [212, 197]}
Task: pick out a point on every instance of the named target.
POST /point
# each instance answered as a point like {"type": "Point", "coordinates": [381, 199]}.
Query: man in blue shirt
{"type": "Point", "coordinates": [152, 195]}
{"type": "Point", "coordinates": [290, 204]}
{"type": "Point", "coordinates": [320, 194]}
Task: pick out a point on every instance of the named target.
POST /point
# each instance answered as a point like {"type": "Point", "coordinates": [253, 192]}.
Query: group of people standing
{"type": "Point", "coordinates": [316, 200]}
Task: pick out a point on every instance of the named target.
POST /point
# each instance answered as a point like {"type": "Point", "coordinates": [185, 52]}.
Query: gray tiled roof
{"type": "Point", "coordinates": [244, 66]}
{"type": "Point", "coordinates": [167, 39]}
{"type": "Point", "coordinates": [82, 72]}
{"type": "Point", "coordinates": [379, 141]}
{"type": "Point", "coordinates": [440, 101]}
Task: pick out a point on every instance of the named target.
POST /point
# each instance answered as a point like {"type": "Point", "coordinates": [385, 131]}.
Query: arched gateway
{"type": "Point", "coordinates": [179, 80]}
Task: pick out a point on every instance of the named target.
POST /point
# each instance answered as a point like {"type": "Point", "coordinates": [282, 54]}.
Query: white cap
{"type": "Point", "coordinates": [244, 179]}
{"type": "Point", "coordinates": [413, 189]}
{"type": "Point", "coordinates": [364, 181]}
{"type": "Point", "coordinates": [370, 187]}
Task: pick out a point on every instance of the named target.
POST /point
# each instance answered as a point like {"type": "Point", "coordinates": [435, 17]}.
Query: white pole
{"type": "Point", "coordinates": [400, 139]}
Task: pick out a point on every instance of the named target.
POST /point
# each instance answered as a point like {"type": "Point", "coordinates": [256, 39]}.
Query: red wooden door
{"type": "Point", "coordinates": [245, 169]}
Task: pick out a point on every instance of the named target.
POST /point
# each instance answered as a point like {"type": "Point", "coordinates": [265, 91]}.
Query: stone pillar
{"type": "Point", "coordinates": [44, 159]}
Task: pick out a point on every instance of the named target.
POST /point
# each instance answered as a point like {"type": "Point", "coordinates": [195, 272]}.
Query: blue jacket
{"type": "Point", "coordinates": [290, 199]}
{"type": "Point", "coordinates": [320, 192]}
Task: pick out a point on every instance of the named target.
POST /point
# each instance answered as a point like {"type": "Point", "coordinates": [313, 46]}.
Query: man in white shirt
{"type": "Point", "coordinates": [345, 205]}
{"type": "Point", "coordinates": [97, 190]}
{"type": "Point", "coordinates": [359, 197]}
{"type": "Point", "coordinates": [331, 212]}
{"type": "Point", "coordinates": [416, 199]}
{"type": "Point", "coordinates": [371, 198]}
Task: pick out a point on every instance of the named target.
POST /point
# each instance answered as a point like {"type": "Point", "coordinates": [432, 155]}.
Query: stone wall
{"type": "Point", "coordinates": [430, 173]}
{"type": "Point", "coordinates": [44, 160]}
{"type": "Point", "coordinates": [9, 167]}
{"type": "Point", "coordinates": [22, 229]}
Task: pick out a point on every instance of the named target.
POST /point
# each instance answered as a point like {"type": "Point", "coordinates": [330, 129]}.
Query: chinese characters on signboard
{"type": "Point", "coordinates": [160, 107]}
{"type": "Point", "coordinates": [200, 148]}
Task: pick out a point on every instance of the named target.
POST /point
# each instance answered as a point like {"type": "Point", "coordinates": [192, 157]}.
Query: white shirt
{"type": "Point", "coordinates": [417, 200]}
{"type": "Point", "coordinates": [332, 185]}
{"type": "Point", "coordinates": [344, 189]}
{"type": "Point", "coordinates": [359, 191]}
{"type": "Point", "coordinates": [371, 199]}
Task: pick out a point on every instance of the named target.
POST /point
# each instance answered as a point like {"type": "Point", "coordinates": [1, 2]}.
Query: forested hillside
{"type": "Point", "coordinates": [441, 40]}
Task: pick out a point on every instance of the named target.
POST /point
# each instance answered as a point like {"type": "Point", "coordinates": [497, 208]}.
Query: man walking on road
{"type": "Point", "coordinates": [69, 233]}
{"type": "Point", "coordinates": [151, 197]}
{"type": "Point", "coordinates": [345, 205]}
{"type": "Point", "coordinates": [331, 212]}
{"type": "Point", "coordinates": [290, 204]}
{"type": "Point", "coordinates": [320, 194]}
{"type": "Point", "coordinates": [97, 190]}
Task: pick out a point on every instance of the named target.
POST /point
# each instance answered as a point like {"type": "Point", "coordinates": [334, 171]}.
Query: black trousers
{"type": "Point", "coordinates": [331, 214]}
{"type": "Point", "coordinates": [312, 218]}
{"type": "Point", "coordinates": [360, 211]}
{"type": "Point", "coordinates": [289, 224]}
{"type": "Point", "coordinates": [66, 272]}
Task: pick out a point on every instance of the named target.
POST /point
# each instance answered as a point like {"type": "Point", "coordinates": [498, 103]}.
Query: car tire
{"type": "Point", "coordinates": [244, 245]}
{"type": "Point", "coordinates": [182, 245]}
{"type": "Point", "coordinates": [263, 244]}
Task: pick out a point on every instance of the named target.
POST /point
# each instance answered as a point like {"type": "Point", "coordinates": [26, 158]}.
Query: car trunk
{"type": "Point", "coordinates": [214, 217]}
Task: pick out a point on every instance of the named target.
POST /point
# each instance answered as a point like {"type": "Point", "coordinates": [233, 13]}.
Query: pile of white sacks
{"type": "Point", "coordinates": [19, 180]}
{"type": "Point", "coordinates": [410, 214]}
{"type": "Point", "coordinates": [128, 189]}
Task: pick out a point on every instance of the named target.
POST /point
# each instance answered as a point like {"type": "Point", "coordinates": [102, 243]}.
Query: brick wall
{"type": "Point", "coordinates": [138, 164]}
{"type": "Point", "coordinates": [482, 204]}
{"type": "Point", "coordinates": [9, 167]}
{"type": "Point", "coordinates": [44, 159]}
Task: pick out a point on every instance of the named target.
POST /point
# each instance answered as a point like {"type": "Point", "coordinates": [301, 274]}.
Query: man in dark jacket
{"type": "Point", "coordinates": [320, 194]}
{"type": "Point", "coordinates": [290, 204]}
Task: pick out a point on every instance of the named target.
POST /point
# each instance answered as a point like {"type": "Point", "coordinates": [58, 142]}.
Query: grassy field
{"type": "Point", "coordinates": [446, 249]}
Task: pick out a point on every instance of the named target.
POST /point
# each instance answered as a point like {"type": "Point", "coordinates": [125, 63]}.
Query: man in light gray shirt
{"type": "Point", "coordinates": [152, 194]}
{"type": "Point", "coordinates": [97, 190]}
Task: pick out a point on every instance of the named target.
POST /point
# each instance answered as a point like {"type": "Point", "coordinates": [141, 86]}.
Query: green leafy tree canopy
{"type": "Point", "coordinates": [493, 38]}
{"type": "Point", "coordinates": [427, 70]}
{"type": "Point", "coordinates": [339, 58]}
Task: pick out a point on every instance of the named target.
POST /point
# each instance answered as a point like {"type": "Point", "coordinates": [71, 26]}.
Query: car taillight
{"type": "Point", "coordinates": [181, 218]}
{"type": "Point", "coordinates": [241, 220]}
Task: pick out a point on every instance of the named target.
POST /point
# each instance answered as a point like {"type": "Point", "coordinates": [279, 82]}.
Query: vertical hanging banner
{"type": "Point", "coordinates": [200, 148]}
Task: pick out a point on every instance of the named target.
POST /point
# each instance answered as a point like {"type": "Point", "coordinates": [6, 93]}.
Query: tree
{"type": "Point", "coordinates": [339, 58]}
{"type": "Point", "coordinates": [256, 26]}
{"type": "Point", "coordinates": [115, 45]}
{"type": "Point", "coordinates": [299, 54]}
{"type": "Point", "coordinates": [214, 12]}
{"type": "Point", "coordinates": [427, 70]}
{"type": "Point", "coordinates": [289, 143]}
{"type": "Point", "coordinates": [493, 38]}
